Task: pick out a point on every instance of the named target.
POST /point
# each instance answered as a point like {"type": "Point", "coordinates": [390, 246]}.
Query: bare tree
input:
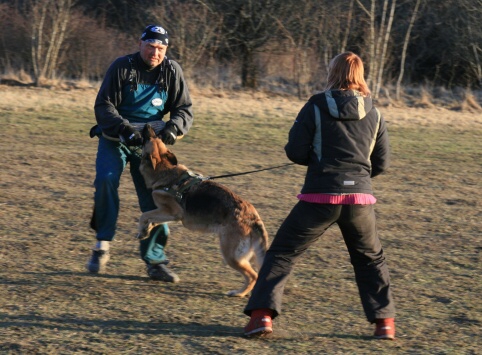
{"type": "Point", "coordinates": [416, 41]}
{"type": "Point", "coordinates": [446, 46]}
{"type": "Point", "coordinates": [405, 46]}
{"type": "Point", "coordinates": [379, 37]}
{"type": "Point", "coordinates": [13, 54]}
{"type": "Point", "coordinates": [301, 27]}
{"type": "Point", "coordinates": [339, 33]}
{"type": "Point", "coordinates": [49, 20]}
{"type": "Point", "coordinates": [476, 65]}
{"type": "Point", "coordinates": [248, 25]}
{"type": "Point", "coordinates": [371, 41]}
{"type": "Point", "coordinates": [474, 31]}
{"type": "Point", "coordinates": [88, 51]}
{"type": "Point", "coordinates": [384, 44]}
{"type": "Point", "coordinates": [191, 36]}
{"type": "Point", "coordinates": [348, 26]}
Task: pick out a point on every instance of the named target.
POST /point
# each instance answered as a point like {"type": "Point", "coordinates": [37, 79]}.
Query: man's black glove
{"type": "Point", "coordinates": [95, 131]}
{"type": "Point", "coordinates": [130, 136]}
{"type": "Point", "coordinates": [169, 133]}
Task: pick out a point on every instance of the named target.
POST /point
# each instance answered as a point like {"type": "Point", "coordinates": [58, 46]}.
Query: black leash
{"type": "Point", "coordinates": [248, 172]}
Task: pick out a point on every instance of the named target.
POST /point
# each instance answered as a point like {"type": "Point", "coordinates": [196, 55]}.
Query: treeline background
{"type": "Point", "coordinates": [277, 45]}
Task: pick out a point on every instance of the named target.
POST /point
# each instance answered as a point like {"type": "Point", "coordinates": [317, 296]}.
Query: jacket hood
{"type": "Point", "coordinates": [343, 105]}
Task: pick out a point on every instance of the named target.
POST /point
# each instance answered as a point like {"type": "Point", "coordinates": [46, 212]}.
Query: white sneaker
{"type": "Point", "coordinates": [98, 261]}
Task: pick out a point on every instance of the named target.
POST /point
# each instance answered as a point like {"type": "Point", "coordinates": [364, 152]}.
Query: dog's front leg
{"type": "Point", "coordinates": [167, 210]}
{"type": "Point", "coordinates": [145, 224]}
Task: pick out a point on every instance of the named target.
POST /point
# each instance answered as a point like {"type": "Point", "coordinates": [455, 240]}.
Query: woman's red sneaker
{"type": "Point", "coordinates": [260, 323]}
{"type": "Point", "coordinates": [385, 328]}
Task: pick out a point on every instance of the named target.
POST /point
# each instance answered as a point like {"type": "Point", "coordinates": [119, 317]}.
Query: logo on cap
{"type": "Point", "coordinates": [158, 29]}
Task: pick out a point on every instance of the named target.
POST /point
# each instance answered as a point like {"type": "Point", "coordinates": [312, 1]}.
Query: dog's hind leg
{"type": "Point", "coordinates": [250, 277]}
{"type": "Point", "coordinates": [237, 256]}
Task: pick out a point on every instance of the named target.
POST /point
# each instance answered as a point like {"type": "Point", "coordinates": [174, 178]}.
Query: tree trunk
{"type": "Point", "coordinates": [50, 19]}
{"type": "Point", "coordinates": [249, 71]}
{"type": "Point", "coordinates": [383, 54]}
{"type": "Point", "coordinates": [370, 66]}
{"type": "Point", "coordinates": [348, 26]}
{"type": "Point", "coordinates": [404, 49]}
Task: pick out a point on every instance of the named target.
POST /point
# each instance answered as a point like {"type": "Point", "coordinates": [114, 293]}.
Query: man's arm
{"type": "Point", "coordinates": [181, 113]}
{"type": "Point", "coordinates": [109, 97]}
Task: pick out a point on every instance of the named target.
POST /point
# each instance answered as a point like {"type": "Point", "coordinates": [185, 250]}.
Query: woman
{"type": "Point", "coordinates": [342, 139]}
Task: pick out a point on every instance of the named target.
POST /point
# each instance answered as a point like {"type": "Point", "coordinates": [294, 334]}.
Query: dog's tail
{"type": "Point", "coordinates": [259, 241]}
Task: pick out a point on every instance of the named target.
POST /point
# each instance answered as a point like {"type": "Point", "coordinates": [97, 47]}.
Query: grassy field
{"type": "Point", "coordinates": [429, 214]}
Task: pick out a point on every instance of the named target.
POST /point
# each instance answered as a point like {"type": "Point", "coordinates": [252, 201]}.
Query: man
{"type": "Point", "coordinates": [137, 89]}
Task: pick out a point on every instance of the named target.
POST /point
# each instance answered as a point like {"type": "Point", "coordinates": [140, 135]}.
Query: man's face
{"type": "Point", "coordinates": [152, 53]}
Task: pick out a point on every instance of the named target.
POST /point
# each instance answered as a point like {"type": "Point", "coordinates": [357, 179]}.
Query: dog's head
{"type": "Point", "coordinates": [154, 152]}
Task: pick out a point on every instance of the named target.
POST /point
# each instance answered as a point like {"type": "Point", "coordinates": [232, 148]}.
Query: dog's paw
{"type": "Point", "coordinates": [142, 236]}
{"type": "Point", "coordinates": [236, 293]}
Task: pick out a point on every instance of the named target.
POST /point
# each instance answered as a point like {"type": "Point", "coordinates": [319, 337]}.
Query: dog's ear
{"type": "Point", "coordinates": [148, 132]}
{"type": "Point", "coordinates": [154, 161]}
{"type": "Point", "coordinates": [171, 158]}
{"type": "Point", "coordinates": [151, 154]}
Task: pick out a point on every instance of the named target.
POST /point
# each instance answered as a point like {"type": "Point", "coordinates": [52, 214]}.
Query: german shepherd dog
{"type": "Point", "coordinates": [202, 205]}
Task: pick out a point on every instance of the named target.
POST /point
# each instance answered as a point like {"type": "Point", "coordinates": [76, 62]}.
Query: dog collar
{"type": "Point", "coordinates": [187, 180]}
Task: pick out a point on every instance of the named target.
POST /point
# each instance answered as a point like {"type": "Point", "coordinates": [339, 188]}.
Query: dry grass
{"type": "Point", "coordinates": [425, 100]}
{"type": "Point", "coordinates": [470, 103]}
{"type": "Point", "coordinates": [429, 222]}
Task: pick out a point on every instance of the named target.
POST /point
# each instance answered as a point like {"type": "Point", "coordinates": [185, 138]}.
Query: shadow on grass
{"type": "Point", "coordinates": [127, 327]}
{"type": "Point", "coordinates": [72, 279]}
{"type": "Point", "coordinates": [41, 277]}
{"type": "Point", "coordinates": [73, 273]}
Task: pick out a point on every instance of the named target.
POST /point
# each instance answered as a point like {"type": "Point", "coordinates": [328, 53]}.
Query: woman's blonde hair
{"type": "Point", "coordinates": [346, 72]}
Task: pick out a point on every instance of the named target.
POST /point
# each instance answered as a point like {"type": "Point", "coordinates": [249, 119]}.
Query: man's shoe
{"type": "Point", "coordinates": [160, 272]}
{"type": "Point", "coordinates": [259, 326]}
{"type": "Point", "coordinates": [385, 329]}
{"type": "Point", "coordinates": [98, 261]}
